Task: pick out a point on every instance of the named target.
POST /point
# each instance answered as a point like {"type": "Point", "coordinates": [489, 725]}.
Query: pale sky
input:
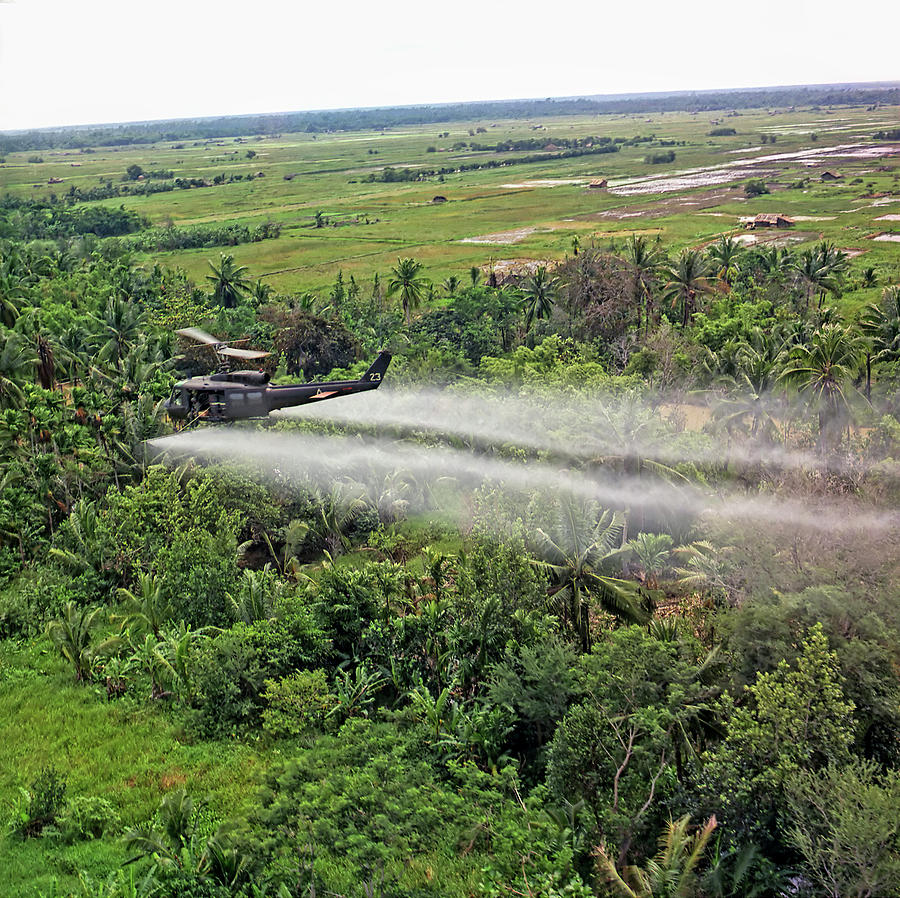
{"type": "Point", "coordinates": [84, 61]}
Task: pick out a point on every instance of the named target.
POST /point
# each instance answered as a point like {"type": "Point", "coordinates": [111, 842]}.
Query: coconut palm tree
{"type": "Point", "coordinates": [17, 361]}
{"type": "Point", "coordinates": [539, 296]}
{"type": "Point", "coordinates": [406, 280]}
{"type": "Point", "coordinates": [724, 254]}
{"type": "Point", "coordinates": [334, 517]}
{"type": "Point", "coordinates": [653, 552]}
{"type": "Point", "coordinates": [880, 322]}
{"type": "Point", "coordinates": [579, 553]}
{"type": "Point", "coordinates": [450, 285]}
{"type": "Point", "coordinates": [645, 261]}
{"type": "Point", "coordinates": [120, 326]}
{"type": "Point", "coordinates": [260, 292]}
{"type": "Point", "coordinates": [147, 609]}
{"type": "Point", "coordinates": [254, 601]}
{"type": "Point", "coordinates": [670, 873]}
{"type": "Point", "coordinates": [820, 270]}
{"type": "Point", "coordinates": [771, 261]}
{"type": "Point", "coordinates": [824, 371]}
{"type": "Point", "coordinates": [12, 295]}
{"type": "Point", "coordinates": [686, 278]}
{"type": "Point", "coordinates": [759, 362]}
{"type": "Point", "coordinates": [73, 636]}
{"type": "Point", "coordinates": [229, 281]}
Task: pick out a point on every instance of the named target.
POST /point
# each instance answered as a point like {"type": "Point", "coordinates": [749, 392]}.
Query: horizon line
{"type": "Point", "coordinates": [593, 97]}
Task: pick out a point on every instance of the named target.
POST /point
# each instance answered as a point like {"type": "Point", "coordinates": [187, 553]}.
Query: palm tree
{"type": "Point", "coordinates": [820, 270]}
{"type": "Point", "coordinates": [475, 275]}
{"type": "Point", "coordinates": [451, 285]}
{"type": "Point", "coordinates": [772, 261]}
{"type": "Point", "coordinates": [120, 327]}
{"type": "Point", "coordinates": [147, 609]}
{"type": "Point", "coordinates": [824, 371]}
{"type": "Point", "coordinates": [687, 277]}
{"type": "Point", "coordinates": [260, 292]}
{"type": "Point", "coordinates": [334, 517]}
{"type": "Point", "coordinates": [229, 281]}
{"type": "Point", "coordinates": [407, 281]}
{"type": "Point", "coordinates": [653, 552]}
{"type": "Point", "coordinates": [539, 296]}
{"type": "Point", "coordinates": [254, 601]}
{"type": "Point", "coordinates": [73, 635]}
{"type": "Point", "coordinates": [175, 843]}
{"type": "Point", "coordinates": [869, 277]}
{"type": "Point", "coordinates": [12, 296]}
{"type": "Point", "coordinates": [723, 254]}
{"type": "Point", "coordinates": [759, 362]}
{"type": "Point", "coordinates": [16, 364]}
{"type": "Point", "coordinates": [584, 544]}
{"type": "Point", "coordinates": [645, 261]}
{"type": "Point", "coordinates": [881, 324]}
{"type": "Point", "coordinates": [670, 873]}
{"type": "Point", "coordinates": [73, 345]}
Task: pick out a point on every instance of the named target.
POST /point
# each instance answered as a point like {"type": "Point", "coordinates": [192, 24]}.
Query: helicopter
{"type": "Point", "coordinates": [236, 395]}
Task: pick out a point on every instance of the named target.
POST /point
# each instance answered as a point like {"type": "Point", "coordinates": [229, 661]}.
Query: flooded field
{"type": "Point", "coordinates": [723, 173]}
{"type": "Point", "coordinates": [504, 237]}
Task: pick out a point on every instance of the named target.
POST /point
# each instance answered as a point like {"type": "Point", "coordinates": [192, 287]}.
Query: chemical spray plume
{"type": "Point", "coordinates": [577, 429]}
{"type": "Point", "coordinates": [325, 460]}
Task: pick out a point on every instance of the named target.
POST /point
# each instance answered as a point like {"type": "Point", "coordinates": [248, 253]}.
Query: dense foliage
{"type": "Point", "coordinates": [456, 688]}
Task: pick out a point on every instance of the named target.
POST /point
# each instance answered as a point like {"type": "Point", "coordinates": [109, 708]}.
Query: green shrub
{"type": "Point", "coordinates": [756, 187]}
{"type": "Point", "coordinates": [231, 670]}
{"type": "Point", "coordinates": [198, 569]}
{"type": "Point", "coordinates": [30, 602]}
{"type": "Point", "coordinates": [41, 803]}
{"type": "Point", "coordinates": [346, 600]}
{"type": "Point", "coordinates": [87, 817]}
{"type": "Point", "coordinates": [228, 677]}
{"type": "Point", "coordinates": [297, 703]}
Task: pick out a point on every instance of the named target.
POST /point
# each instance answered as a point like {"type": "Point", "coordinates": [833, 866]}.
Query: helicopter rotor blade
{"type": "Point", "coordinates": [194, 333]}
{"type": "Point", "coordinates": [243, 353]}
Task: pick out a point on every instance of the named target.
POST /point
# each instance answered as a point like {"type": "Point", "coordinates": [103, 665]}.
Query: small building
{"type": "Point", "coordinates": [438, 199]}
{"type": "Point", "coordinates": [769, 220]}
{"type": "Point", "coordinates": [599, 184]}
{"type": "Point", "coordinates": [831, 176]}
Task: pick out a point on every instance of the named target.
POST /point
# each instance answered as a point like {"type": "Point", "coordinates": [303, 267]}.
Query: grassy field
{"type": "Point", "coordinates": [546, 202]}
{"type": "Point", "coordinates": [129, 755]}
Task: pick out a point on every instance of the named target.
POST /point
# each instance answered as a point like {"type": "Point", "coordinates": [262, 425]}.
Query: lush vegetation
{"type": "Point", "coordinates": [224, 679]}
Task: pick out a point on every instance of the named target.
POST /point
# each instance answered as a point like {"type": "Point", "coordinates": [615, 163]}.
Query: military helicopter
{"type": "Point", "coordinates": [234, 395]}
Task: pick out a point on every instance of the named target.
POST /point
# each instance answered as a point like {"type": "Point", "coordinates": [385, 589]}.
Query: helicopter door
{"type": "Point", "coordinates": [217, 405]}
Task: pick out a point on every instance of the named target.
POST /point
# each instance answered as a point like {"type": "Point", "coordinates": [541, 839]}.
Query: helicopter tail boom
{"type": "Point", "coordinates": [376, 370]}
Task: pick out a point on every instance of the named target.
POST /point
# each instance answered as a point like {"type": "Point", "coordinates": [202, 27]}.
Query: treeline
{"type": "Point", "coordinates": [110, 190]}
{"type": "Point", "coordinates": [25, 220]}
{"type": "Point", "coordinates": [389, 117]}
{"type": "Point", "coordinates": [390, 174]}
{"type": "Point", "coordinates": [541, 143]}
{"type": "Point", "coordinates": [200, 236]}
